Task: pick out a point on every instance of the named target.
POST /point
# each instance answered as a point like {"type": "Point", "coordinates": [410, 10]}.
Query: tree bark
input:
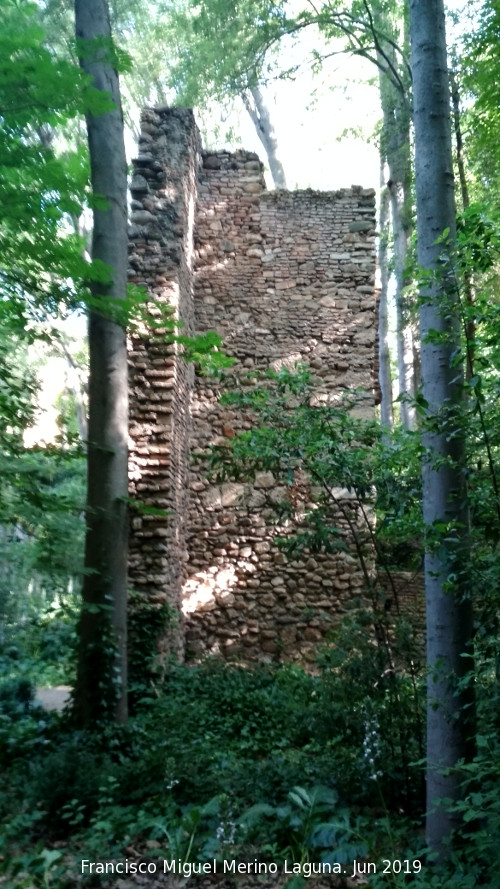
{"type": "Point", "coordinates": [449, 620]}
{"type": "Point", "coordinates": [254, 103]}
{"type": "Point", "coordinates": [384, 358]}
{"type": "Point", "coordinates": [100, 692]}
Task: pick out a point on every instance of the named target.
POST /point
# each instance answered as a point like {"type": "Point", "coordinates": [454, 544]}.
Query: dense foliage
{"type": "Point", "coordinates": [233, 763]}
{"type": "Point", "coordinates": [227, 760]}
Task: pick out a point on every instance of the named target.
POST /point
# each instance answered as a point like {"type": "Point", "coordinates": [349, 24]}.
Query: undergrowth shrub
{"type": "Point", "coordinates": [16, 696]}
{"type": "Point", "coordinates": [229, 730]}
{"type": "Point", "coordinates": [372, 718]}
{"type": "Point", "coordinates": [221, 741]}
{"type": "Point", "coordinates": [309, 824]}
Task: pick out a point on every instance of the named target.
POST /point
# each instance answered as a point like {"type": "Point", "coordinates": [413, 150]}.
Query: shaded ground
{"type": "Point", "coordinates": [241, 881]}
{"type": "Point", "coordinates": [238, 881]}
{"type": "Point", "coordinates": [53, 698]}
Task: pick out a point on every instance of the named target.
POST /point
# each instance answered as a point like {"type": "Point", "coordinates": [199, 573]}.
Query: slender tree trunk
{"type": "Point", "coordinates": [449, 623]}
{"type": "Point", "coordinates": [261, 119]}
{"type": "Point", "coordinates": [404, 331]}
{"type": "Point", "coordinates": [470, 326]}
{"type": "Point", "coordinates": [455, 97]}
{"type": "Point", "coordinates": [396, 149]}
{"type": "Point", "coordinates": [100, 691]}
{"type": "Point", "coordinates": [384, 358]}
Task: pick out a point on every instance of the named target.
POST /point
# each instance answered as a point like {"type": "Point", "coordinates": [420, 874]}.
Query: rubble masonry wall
{"type": "Point", "coordinates": [283, 277]}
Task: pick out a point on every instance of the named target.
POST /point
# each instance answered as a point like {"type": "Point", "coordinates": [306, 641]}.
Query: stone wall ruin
{"type": "Point", "coordinates": [282, 277]}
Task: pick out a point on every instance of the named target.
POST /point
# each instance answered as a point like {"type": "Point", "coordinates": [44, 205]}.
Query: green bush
{"type": "Point", "coordinates": [16, 696]}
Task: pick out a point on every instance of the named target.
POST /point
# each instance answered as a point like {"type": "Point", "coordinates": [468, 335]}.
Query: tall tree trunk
{"type": "Point", "coordinates": [254, 103]}
{"type": "Point", "coordinates": [100, 692]}
{"type": "Point", "coordinates": [384, 358]}
{"type": "Point", "coordinates": [449, 620]}
{"type": "Point", "coordinates": [396, 149]}
{"type": "Point", "coordinates": [404, 331]}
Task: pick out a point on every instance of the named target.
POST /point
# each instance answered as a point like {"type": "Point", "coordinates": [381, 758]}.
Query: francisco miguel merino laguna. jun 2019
{"type": "Point", "coordinates": [232, 866]}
